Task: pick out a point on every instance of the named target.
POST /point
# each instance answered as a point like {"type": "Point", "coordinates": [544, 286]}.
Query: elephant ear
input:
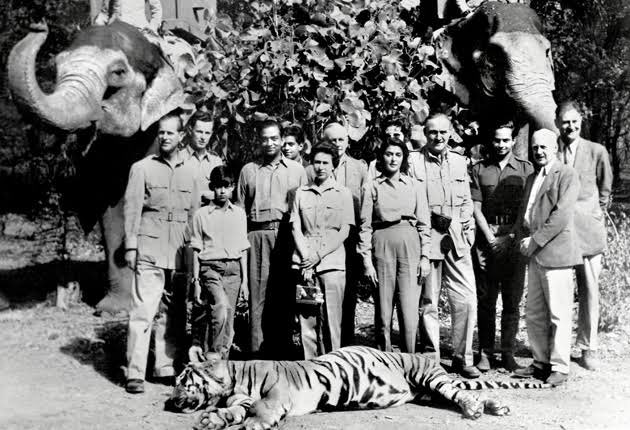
{"type": "Point", "coordinates": [451, 66]}
{"type": "Point", "coordinates": [164, 95]}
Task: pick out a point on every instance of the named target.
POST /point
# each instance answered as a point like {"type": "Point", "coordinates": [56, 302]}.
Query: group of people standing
{"type": "Point", "coordinates": [414, 221]}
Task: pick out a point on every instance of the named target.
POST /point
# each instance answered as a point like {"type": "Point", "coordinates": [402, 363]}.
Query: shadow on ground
{"type": "Point", "coordinates": [26, 285]}
{"type": "Point", "coordinates": [105, 352]}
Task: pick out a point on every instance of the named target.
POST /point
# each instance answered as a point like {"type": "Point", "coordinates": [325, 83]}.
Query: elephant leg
{"type": "Point", "coordinates": [120, 277]}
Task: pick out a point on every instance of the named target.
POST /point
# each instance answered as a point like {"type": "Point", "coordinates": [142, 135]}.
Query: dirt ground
{"type": "Point", "coordinates": [61, 370]}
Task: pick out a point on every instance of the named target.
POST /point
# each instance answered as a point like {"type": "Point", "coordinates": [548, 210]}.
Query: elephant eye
{"type": "Point", "coordinates": [118, 72]}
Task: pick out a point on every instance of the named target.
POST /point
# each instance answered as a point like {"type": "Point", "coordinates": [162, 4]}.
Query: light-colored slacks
{"type": "Point", "coordinates": [396, 252]}
{"type": "Point", "coordinates": [587, 277]}
{"type": "Point", "coordinates": [459, 279]}
{"type": "Point", "coordinates": [548, 315]}
{"type": "Point", "coordinates": [151, 298]}
{"type": "Point", "coordinates": [332, 284]}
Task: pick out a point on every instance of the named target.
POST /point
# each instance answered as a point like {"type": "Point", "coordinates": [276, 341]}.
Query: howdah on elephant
{"type": "Point", "coordinates": [498, 62]}
{"type": "Point", "coordinates": [113, 81]}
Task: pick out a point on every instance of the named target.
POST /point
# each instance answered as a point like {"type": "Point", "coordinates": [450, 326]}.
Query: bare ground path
{"type": "Point", "coordinates": [60, 370]}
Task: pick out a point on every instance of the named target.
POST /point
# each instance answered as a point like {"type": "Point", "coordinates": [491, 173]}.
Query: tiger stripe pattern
{"type": "Point", "coordinates": [257, 395]}
{"type": "Point", "coordinates": [495, 385]}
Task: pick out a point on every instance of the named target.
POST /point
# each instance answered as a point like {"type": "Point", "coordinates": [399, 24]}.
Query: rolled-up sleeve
{"type": "Point", "coordinates": [423, 218]}
{"type": "Point", "coordinates": [196, 238]}
{"type": "Point", "coordinates": [364, 246]}
{"type": "Point", "coordinates": [132, 206]}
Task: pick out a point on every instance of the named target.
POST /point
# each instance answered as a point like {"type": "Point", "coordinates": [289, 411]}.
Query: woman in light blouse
{"type": "Point", "coordinates": [394, 243]}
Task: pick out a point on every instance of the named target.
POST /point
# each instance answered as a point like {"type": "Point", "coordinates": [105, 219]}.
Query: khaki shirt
{"type": "Point", "coordinates": [159, 203]}
{"type": "Point", "coordinates": [266, 191]}
{"type": "Point", "coordinates": [202, 166]}
{"type": "Point", "coordinates": [448, 193]}
{"type": "Point", "coordinates": [391, 201]}
{"type": "Point", "coordinates": [321, 211]}
{"type": "Point", "coordinates": [500, 191]}
{"type": "Point", "coordinates": [219, 233]}
{"type": "Point", "coordinates": [352, 174]}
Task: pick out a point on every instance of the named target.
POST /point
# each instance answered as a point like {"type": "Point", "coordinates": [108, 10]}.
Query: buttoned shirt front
{"type": "Point", "coordinates": [219, 233]}
{"type": "Point", "coordinates": [352, 174]}
{"type": "Point", "coordinates": [323, 210]}
{"type": "Point", "coordinates": [203, 165]}
{"type": "Point", "coordinates": [388, 200]}
{"type": "Point", "coordinates": [500, 191]}
{"type": "Point", "coordinates": [265, 191]}
{"type": "Point", "coordinates": [569, 152]}
{"type": "Point", "coordinates": [533, 195]}
{"type": "Point", "coordinates": [159, 203]}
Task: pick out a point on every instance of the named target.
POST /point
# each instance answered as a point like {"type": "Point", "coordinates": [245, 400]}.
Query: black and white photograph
{"type": "Point", "coordinates": [314, 214]}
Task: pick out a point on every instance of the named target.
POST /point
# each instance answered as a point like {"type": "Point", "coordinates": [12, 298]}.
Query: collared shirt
{"type": "Point", "coordinates": [219, 233]}
{"type": "Point", "coordinates": [266, 191]}
{"type": "Point", "coordinates": [387, 200]}
{"type": "Point", "coordinates": [500, 191]}
{"type": "Point", "coordinates": [448, 183]}
{"type": "Point", "coordinates": [202, 166]}
{"type": "Point", "coordinates": [159, 203]}
{"type": "Point", "coordinates": [568, 152]}
{"type": "Point", "coordinates": [538, 181]}
{"type": "Point", "coordinates": [352, 174]}
{"type": "Point", "coordinates": [323, 210]}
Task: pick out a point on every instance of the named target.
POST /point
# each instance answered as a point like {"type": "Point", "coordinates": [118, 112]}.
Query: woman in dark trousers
{"type": "Point", "coordinates": [394, 235]}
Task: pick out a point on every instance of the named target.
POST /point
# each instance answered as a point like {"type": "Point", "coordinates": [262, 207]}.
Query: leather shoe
{"type": "Point", "coordinates": [557, 378]}
{"type": "Point", "coordinates": [588, 360]}
{"type": "Point", "coordinates": [468, 372]}
{"type": "Point", "coordinates": [531, 371]}
{"type": "Point", "coordinates": [134, 386]}
{"type": "Point", "coordinates": [483, 365]}
{"type": "Point", "coordinates": [509, 363]}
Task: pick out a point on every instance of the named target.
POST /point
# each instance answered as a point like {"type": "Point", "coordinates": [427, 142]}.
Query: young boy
{"type": "Point", "coordinates": [219, 241]}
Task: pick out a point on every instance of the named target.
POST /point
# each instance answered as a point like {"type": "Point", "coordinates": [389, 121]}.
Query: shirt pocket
{"type": "Point", "coordinates": [148, 238]}
{"type": "Point", "coordinates": [332, 215]}
{"type": "Point", "coordinates": [460, 191]}
{"type": "Point", "coordinates": [308, 214]}
{"type": "Point", "coordinates": [158, 194]}
{"type": "Point", "coordinates": [184, 198]}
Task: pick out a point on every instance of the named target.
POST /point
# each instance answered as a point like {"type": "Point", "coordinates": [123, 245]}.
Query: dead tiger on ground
{"type": "Point", "coordinates": [259, 394]}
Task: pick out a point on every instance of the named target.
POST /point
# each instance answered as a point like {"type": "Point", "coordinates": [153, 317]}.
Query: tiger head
{"type": "Point", "coordinates": [201, 385]}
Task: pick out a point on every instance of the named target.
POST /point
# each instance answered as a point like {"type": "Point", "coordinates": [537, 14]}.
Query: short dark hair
{"type": "Point", "coordinates": [327, 148]}
{"type": "Point", "coordinates": [395, 122]}
{"type": "Point", "coordinates": [504, 124]}
{"type": "Point", "coordinates": [174, 114]}
{"type": "Point", "coordinates": [221, 176]}
{"type": "Point", "coordinates": [568, 105]}
{"type": "Point", "coordinates": [268, 123]}
{"type": "Point", "coordinates": [295, 131]}
{"type": "Point", "coordinates": [202, 116]}
{"type": "Point", "coordinates": [392, 141]}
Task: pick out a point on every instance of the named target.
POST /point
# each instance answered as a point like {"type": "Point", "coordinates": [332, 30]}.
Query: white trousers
{"type": "Point", "coordinates": [548, 315]}
{"type": "Point", "coordinates": [587, 277]}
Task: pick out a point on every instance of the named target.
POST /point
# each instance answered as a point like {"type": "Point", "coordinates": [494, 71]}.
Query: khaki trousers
{"type": "Point", "coordinates": [587, 277]}
{"type": "Point", "coordinates": [332, 284]}
{"type": "Point", "coordinates": [396, 251]}
{"type": "Point", "coordinates": [548, 315]}
{"type": "Point", "coordinates": [153, 298]}
{"type": "Point", "coordinates": [459, 280]}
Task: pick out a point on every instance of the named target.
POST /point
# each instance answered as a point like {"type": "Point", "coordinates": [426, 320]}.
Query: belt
{"type": "Point", "coordinates": [264, 225]}
{"type": "Point", "coordinates": [385, 224]}
{"type": "Point", "coordinates": [500, 219]}
{"type": "Point", "coordinates": [221, 260]}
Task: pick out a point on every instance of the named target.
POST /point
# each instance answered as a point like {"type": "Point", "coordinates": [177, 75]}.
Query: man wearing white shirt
{"type": "Point", "coordinates": [548, 238]}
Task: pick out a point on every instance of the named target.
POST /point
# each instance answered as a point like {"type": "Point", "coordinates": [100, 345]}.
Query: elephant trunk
{"type": "Point", "coordinates": [75, 102]}
{"type": "Point", "coordinates": [536, 100]}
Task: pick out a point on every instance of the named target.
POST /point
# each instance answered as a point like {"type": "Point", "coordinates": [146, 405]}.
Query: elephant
{"type": "Point", "coordinates": [498, 62]}
{"type": "Point", "coordinates": [113, 82]}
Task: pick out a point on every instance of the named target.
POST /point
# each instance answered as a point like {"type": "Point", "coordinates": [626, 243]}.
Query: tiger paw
{"type": "Point", "coordinates": [472, 408]}
{"type": "Point", "coordinates": [214, 419]}
{"type": "Point", "coordinates": [493, 407]}
{"type": "Point", "coordinates": [256, 423]}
